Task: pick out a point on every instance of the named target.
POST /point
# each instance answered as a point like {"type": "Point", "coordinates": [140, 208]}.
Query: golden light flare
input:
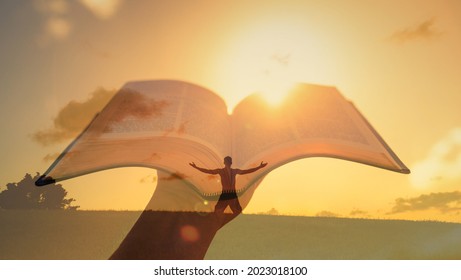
{"type": "Point", "coordinates": [58, 28]}
{"type": "Point", "coordinates": [189, 233]}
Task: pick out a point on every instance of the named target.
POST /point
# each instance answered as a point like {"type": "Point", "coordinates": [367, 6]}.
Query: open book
{"type": "Point", "coordinates": [166, 124]}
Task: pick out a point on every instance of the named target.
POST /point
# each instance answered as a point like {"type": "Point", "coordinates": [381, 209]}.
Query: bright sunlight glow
{"type": "Point", "coordinates": [269, 58]}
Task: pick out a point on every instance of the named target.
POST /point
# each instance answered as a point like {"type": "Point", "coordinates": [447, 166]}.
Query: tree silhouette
{"type": "Point", "coordinates": [25, 195]}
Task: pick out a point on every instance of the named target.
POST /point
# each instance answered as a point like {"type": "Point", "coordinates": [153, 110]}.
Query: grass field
{"type": "Point", "coordinates": [96, 234]}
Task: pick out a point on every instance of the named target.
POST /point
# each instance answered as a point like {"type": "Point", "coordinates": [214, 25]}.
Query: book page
{"type": "Point", "coordinates": [167, 108]}
{"type": "Point", "coordinates": [158, 124]}
{"type": "Point", "coordinates": [312, 121]}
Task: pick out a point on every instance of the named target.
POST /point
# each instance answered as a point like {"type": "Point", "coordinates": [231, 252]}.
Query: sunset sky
{"type": "Point", "coordinates": [399, 62]}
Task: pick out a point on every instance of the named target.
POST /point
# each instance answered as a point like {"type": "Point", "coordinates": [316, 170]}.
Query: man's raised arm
{"type": "Point", "coordinates": [251, 170]}
{"type": "Point", "coordinates": [204, 170]}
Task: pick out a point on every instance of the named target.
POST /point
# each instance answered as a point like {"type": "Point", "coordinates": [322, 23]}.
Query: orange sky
{"type": "Point", "coordinates": [398, 62]}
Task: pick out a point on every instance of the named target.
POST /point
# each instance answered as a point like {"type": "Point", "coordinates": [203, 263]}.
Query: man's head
{"type": "Point", "coordinates": [228, 161]}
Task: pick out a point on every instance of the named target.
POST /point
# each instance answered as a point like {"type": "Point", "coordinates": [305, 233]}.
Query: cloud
{"type": "Point", "coordinates": [442, 164]}
{"type": "Point", "coordinates": [135, 104]}
{"type": "Point", "coordinates": [357, 212]}
{"type": "Point", "coordinates": [442, 201]}
{"type": "Point", "coordinates": [424, 30]}
{"type": "Point", "coordinates": [272, 211]}
{"type": "Point", "coordinates": [103, 9]}
{"type": "Point", "coordinates": [73, 118]}
{"type": "Point", "coordinates": [327, 214]}
{"type": "Point", "coordinates": [281, 59]}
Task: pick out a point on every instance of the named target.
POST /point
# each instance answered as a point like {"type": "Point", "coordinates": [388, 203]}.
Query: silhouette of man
{"type": "Point", "coordinates": [228, 174]}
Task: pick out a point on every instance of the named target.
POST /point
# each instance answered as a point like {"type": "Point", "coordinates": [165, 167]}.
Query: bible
{"type": "Point", "coordinates": [166, 124]}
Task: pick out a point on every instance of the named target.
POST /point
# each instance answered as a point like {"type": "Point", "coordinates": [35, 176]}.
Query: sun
{"type": "Point", "coordinates": [277, 79]}
{"type": "Point", "coordinates": [269, 57]}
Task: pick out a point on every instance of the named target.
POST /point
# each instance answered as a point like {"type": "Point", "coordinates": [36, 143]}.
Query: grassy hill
{"type": "Point", "coordinates": [96, 234]}
{"type": "Point", "coordinates": [284, 237]}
